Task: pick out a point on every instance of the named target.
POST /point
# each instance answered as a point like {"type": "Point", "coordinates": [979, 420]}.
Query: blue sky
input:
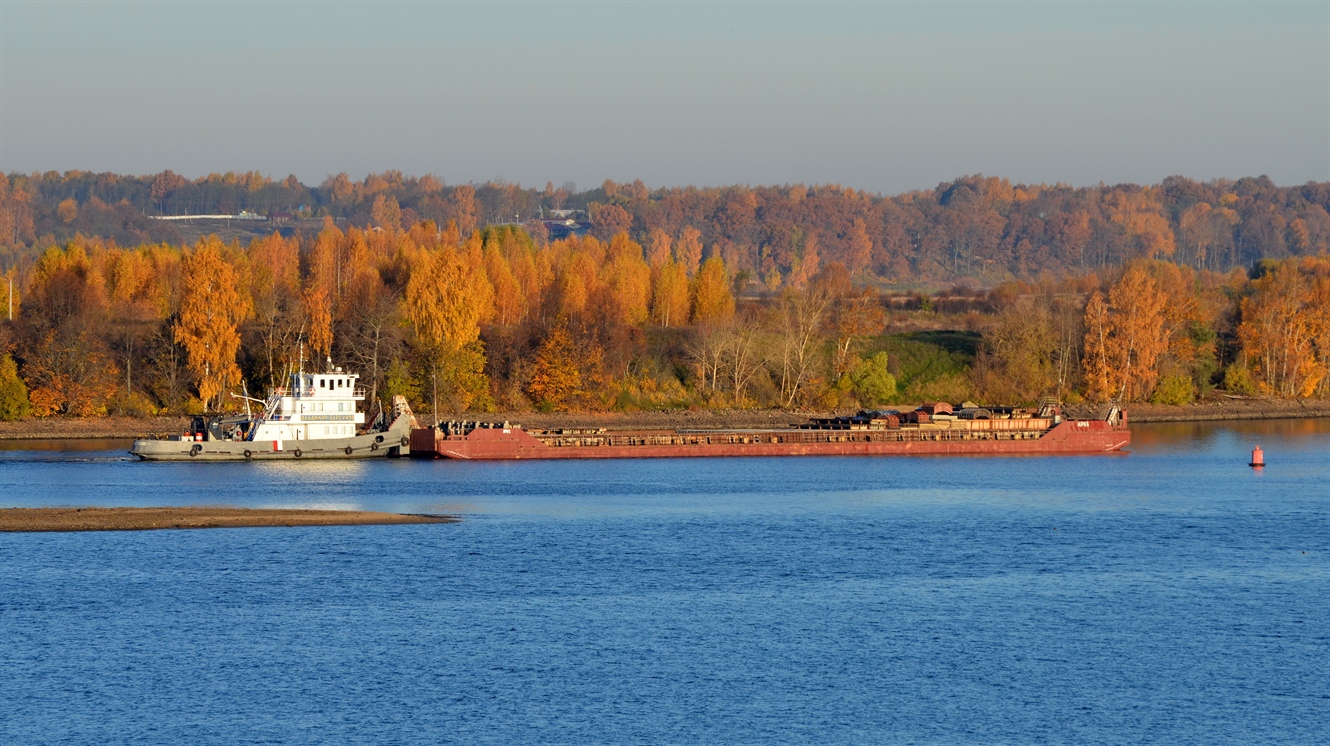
{"type": "Point", "coordinates": [880, 96]}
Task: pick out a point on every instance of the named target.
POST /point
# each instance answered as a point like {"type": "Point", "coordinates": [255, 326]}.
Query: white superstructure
{"type": "Point", "coordinates": [316, 406]}
{"type": "Point", "coordinates": [314, 417]}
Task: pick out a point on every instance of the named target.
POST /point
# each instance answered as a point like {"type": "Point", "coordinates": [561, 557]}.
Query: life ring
{"type": "Point", "coordinates": [248, 454]}
{"type": "Point", "coordinates": [297, 453]}
{"type": "Point", "coordinates": [195, 449]}
{"type": "Point", "coordinates": [374, 446]}
{"type": "Point", "coordinates": [348, 450]}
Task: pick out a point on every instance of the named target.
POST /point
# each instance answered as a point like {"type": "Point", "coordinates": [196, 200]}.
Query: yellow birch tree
{"type": "Point", "coordinates": [712, 301]}
{"type": "Point", "coordinates": [211, 308]}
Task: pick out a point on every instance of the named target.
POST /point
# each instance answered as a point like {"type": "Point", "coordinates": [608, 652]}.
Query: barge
{"type": "Point", "coordinates": [932, 429]}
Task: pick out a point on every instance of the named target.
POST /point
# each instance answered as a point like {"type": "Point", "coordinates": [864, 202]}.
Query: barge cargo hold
{"type": "Point", "coordinates": [930, 430]}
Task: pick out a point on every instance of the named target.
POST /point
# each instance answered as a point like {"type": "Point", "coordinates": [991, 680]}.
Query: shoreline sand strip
{"type": "Point", "coordinates": [141, 519]}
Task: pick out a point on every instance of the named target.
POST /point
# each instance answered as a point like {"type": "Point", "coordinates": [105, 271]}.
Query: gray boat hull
{"type": "Point", "coordinates": [395, 441]}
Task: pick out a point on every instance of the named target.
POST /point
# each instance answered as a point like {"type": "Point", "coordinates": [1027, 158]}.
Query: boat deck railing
{"type": "Point", "coordinates": [356, 393]}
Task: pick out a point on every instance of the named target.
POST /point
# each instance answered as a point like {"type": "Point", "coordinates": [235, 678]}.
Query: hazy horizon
{"type": "Point", "coordinates": [886, 98]}
{"type": "Point", "coordinates": [591, 186]}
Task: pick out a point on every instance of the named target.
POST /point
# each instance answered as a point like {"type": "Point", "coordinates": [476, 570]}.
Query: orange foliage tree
{"type": "Point", "coordinates": [509, 300]}
{"type": "Point", "coordinates": [860, 249]}
{"type": "Point", "coordinates": [557, 378]}
{"type": "Point", "coordinates": [1277, 332]}
{"type": "Point", "coordinates": [274, 289]}
{"type": "Point", "coordinates": [713, 303]}
{"type": "Point", "coordinates": [211, 308]}
{"type": "Point", "coordinates": [669, 297]}
{"type": "Point", "coordinates": [1140, 216]}
{"type": "Point", "coordinates": [688, 249]}
{"type": "Point", "coordinates": [628, 280]}
{"type": "Point", "coordinates": [1318, 319]}
{"type": "Point", "coordinates": [1099, 375]}
{"type": "Point", "coordinates": [446, 300]}
{"type": "Point", "coordinates": [1123, 350]}
{"type": "Point", "coordinates": [658, 248]}
{"type": "Point", "coordinates": [66, 365]}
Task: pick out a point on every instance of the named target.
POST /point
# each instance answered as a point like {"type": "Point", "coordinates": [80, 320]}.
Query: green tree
{"type": "Point", "coordinates": [1174, 389]}
{"type": "Point", "coordinates": [873, 382]}
{"type": "Point", "coordinates": [400, 382]}
{"type": "Point", "coordinates": [13, 392]}
{"type": "Point", "coordinates": [462, 380]}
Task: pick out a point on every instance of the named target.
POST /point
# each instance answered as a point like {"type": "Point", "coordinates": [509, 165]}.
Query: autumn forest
{"type": "Point", "coordinates": [473, 298]}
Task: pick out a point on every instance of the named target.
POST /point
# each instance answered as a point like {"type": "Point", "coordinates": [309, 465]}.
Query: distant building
{"type": "Point", "coordinates": [558, 229]}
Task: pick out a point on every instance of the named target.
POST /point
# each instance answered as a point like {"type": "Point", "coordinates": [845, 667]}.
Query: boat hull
{"type": "Point", "coordinates": [394, 442]}
{"type": "Point", "coordinates": [506, 444]}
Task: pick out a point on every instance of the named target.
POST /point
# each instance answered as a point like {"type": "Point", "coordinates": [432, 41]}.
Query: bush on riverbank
{"type": "Point", "coordinates": [13, 393]}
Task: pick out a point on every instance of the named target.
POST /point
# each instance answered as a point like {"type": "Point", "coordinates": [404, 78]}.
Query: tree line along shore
{"type": "Point", "coordinates": [979, 227]}
{"type": "Point", "coordinates": [678, 301]}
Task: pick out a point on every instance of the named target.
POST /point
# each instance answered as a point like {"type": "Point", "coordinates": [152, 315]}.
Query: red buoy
{"type": "Point", "coordinates": [1257, 458]}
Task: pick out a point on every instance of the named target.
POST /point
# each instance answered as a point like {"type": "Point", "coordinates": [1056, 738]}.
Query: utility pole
{"type": "Point", "coordinates": [11, 298]}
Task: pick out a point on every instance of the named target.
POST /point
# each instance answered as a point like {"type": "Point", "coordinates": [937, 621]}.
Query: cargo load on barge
{"type": "Point", "coordinates": [931, 429]}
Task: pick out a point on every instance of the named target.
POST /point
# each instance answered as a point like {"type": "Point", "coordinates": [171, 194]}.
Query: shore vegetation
{"type": "Point", "coordinates": [792, 297]}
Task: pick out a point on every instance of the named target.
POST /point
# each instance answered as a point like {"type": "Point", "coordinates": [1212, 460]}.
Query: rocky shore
{"type": "Point", "coordinates": [137, 519]}
{"type": "Point", "coordinates": [1220, 408]}
{"type": "Point", "coordinates": [1226, 408]}
{"type": "Point", "coordinates": [92, 427]}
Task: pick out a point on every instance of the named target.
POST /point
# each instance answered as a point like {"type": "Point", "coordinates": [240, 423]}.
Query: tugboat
{"type": "Point", "coordinates": [315, 417]}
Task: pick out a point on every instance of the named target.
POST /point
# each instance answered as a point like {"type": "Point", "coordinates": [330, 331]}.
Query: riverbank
{"type": "Point", "coordinates": [139, 519]}
{"type": "Point", "coordinates": [49, 428]}
{"type": "Point", "coordinates": [1222, 408]}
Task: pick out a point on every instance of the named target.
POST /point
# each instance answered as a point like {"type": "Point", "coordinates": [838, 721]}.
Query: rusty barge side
{"type": "Point", "coordinates": [491, 441]}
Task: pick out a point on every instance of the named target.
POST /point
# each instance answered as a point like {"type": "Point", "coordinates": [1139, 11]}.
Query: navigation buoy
{"type": "Point", "coordinates": [1257, 458]}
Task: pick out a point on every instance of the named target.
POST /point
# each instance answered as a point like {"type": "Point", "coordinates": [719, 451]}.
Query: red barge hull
{"type": "Point", "coordinates": [499, 443]}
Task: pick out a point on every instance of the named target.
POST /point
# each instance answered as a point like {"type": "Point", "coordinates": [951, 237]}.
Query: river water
{"type": "Point", "coordinates": [1169, 595]}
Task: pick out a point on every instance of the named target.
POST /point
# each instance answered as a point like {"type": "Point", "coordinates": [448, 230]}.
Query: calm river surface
{"type": "Point", "coordinates": [1171, 595]}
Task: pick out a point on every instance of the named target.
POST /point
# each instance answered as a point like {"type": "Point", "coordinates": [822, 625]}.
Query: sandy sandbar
{"type": "Point", "coordinates": [138, 519]}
